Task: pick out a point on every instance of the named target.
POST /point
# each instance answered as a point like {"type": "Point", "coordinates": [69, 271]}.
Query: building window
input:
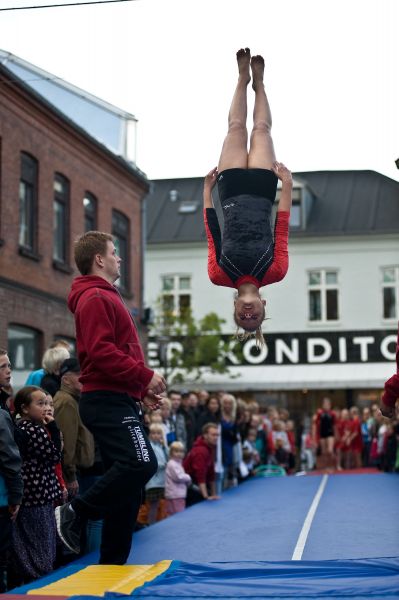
{"type": "Point", "coordinates": [120, 232]}
{"type": "Point", "coordinates": [176, 294]}
{"type": "Point", "coordinates": [28, 188]}
{"type": "Point", "coordinates": [23, 348]}
{"type": "Point", "coordinates": [390, 292]}
{"type": "Point", "coordinates": [323, 295]}
{"type": "Point", "coordinates": [90, 211]}
{"type": "Point", "coordinates": [61, 219]}
{"type": "Point", "coordinates": [296, 208]}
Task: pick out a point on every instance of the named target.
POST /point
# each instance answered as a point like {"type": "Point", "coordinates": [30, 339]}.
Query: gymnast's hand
{"type": "Point", "coordinates": [282, 172]}
{"type": "Point", "coordinates": [210, 179]}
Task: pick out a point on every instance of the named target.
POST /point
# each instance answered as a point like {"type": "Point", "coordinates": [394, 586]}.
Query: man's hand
{"type": "Point", "coordinates": [210, 179]}
{"type": "Point", "coordinates": [387, 411]}
{"type": "Point", "coordinates": [73, 489]}
{"type": "Point", "coordinates": [13, 510]}
{"type": "Point", "coordinates": [282, 173]}
{"type": "Point", "coordinates": [153, 401]}
{"type": "Point", "coordinates": [157, 384]}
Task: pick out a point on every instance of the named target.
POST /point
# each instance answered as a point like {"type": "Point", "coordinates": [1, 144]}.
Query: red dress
{"type": "Point", "coordinates": [357, 442]}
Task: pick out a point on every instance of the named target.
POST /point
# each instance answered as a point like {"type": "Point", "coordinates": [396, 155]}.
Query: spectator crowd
{"type": "Point", "coordinates": [205, 443]}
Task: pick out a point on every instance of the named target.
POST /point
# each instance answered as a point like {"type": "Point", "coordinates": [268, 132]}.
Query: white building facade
{"type": "Point", "coordinates": [331, 323]}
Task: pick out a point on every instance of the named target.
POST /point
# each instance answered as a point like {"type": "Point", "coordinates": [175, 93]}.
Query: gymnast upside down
{"type": "Point", "coordinates": [248, 256]}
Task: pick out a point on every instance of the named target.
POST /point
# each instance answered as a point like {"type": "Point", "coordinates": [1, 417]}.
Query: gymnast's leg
{"type": "Point", "coordinates": [234, 152]}
{"type": "Point", "coordinates": [261, 151]}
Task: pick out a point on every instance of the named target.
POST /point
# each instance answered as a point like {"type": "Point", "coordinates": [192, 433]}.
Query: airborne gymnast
{"type": "Point", "coordinates": [248, 256]}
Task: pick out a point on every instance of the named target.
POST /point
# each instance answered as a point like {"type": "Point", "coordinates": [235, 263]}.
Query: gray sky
{"type": "Point", "coordinates": [331, 73]}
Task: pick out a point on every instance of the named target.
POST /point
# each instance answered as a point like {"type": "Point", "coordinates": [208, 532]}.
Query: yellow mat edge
{"type": "Point", "coordinates": [114, 578]}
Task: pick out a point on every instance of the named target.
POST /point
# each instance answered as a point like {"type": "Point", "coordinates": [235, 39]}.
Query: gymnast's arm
{"type": "Point", "coordinates": [213, 234]}
{"type": "Point", "coordinates": [279, 267]}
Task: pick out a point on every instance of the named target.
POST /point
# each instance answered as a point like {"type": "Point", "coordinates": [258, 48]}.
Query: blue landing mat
{"type": "Point", "coordinates": [369, 578]}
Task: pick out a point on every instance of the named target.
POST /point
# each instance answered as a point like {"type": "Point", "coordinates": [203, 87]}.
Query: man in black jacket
{"type": "Point", "coordinates": [11, 486]}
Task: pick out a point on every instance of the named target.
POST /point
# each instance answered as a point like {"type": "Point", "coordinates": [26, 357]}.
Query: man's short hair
{"type": "Point", "coordinates": [208, 426]}
{"type": "Point", "coordinates": [86, 248]}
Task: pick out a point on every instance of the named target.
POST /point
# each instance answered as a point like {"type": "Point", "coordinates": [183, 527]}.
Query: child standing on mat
{"type": "Point", "coordinates": [34, 531]}
{"type": "Point", "coordinates": [176, 480]}
{"type": "Point", "coordinates": [155, 488]}
{"type": "Point", "coordinates": [247, 257]}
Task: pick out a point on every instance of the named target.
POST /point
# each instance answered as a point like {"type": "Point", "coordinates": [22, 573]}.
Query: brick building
{"type": "Point", "coordinates": [57, 180]}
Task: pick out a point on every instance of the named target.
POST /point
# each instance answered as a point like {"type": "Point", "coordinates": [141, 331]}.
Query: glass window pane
{"type": "Point", "coordinates": [59, 186]}
{"type": "Point", "coordinates": [295, 215]}
{"type": "Point", "coordinates": [168, 304]}
{"type": "Point", "coordinates": [184, 304]}
{"type": "Point", "coordinates": [389, 303]}
{"type": "Point", "coordinates": [332, 305]}
{"type": "Point", "coordinates": [168, 283]}
{"type": "Point", "coordinates": [23, 348]}
{"type": "Point", "coordinates": [389, 275]}
{"type": "Point", "coordinates": [331, 277]}
{"type": "Point", "coordinates": [184, 283]}
{"type": "Point", "coordinates": [314, 278]}
{"type": "Point", "coordinates": [26, 208]}
{"type": "Point", "coordinates": [314, 306]}
{"type": "Point", "coordinates": [121, 250]}
{"type": "Point", "coordinates": [59, 231]}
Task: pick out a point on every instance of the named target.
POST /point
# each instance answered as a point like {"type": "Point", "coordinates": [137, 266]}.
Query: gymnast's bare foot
{"type": "Point", "coordinates": [258, 69]}
{"type": "Point", "coordinates": [243, 59]}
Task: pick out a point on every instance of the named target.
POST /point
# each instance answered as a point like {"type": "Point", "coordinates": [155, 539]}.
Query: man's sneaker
{"type": "Point", "coordinates": [69, 527]}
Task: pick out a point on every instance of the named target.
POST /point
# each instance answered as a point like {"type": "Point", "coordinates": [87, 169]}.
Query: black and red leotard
{"type": "Point", "coordinates": [247, 252]}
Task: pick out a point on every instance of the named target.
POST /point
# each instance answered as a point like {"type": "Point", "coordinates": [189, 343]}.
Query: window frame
{"type": "Point", "coordinates": [65, 200]}
{"type": "Point", "coordinates": [176, 292]}
{"type": "Point", "coordinates": [123, 283]}
{"type": "Point", "coordinates": [92, 198]}
{"type": "Point", "coordinates": [31, 183]}
{"type": "Point", "coordinates": [323, 287]}
{"type": "Point", "coordinates": [37, 343]}
{"type": "Point", "coordinates": [395, 286]}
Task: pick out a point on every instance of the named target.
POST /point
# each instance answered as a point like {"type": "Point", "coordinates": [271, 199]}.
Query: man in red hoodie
{"type": "Point", "coordinates": [200, 465]}
{"type": "Point", "coordinates": [114, 381]}
{"type": "Point", "coordinates": [391, 390]}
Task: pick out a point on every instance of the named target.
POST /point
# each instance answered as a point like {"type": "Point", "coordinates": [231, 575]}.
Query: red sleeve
{"type": "Point", "coordinates": [199, 465]}
{"type": "Point", "coordinates": [97, 317]}
{"type": "Point", "coordinates": [212, 228]}
{"type": "Point", "coordinates": [279, 267]}
{"type": "Point", "coordinates": [391, 387]}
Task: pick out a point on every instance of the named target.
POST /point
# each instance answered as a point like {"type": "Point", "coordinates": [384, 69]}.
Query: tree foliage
{"type": "Point", "coordinates": [190, 348]}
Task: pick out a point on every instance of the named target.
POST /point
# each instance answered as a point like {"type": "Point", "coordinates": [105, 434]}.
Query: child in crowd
{"type": "Point", "coordinates": [250, 452]}
{"type": "Point", "coordinates": [34, 532]}
{"type": "Point", "coordinates": [155, 488]}
{"type": "Point", "coordinates": [176, 480]}
{"type": "Point", "coordinates": [343, 440]}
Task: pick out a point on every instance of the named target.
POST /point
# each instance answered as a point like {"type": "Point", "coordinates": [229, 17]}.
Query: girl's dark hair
{"type": "Point", "coordinates": [24, 397]}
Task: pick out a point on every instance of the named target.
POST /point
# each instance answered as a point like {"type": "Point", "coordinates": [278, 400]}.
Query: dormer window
{"type": "Point", "coordinates": [296, 209]}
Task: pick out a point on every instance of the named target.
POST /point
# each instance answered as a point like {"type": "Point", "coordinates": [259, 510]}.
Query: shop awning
{"type": "Point", "coordinates": [298, 377]}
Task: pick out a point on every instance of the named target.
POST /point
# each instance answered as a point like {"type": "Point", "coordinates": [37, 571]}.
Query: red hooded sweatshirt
{"type": "Point", "coordinates": [200, 462]}
{"type": "Point", "coordinates": [108, 346]}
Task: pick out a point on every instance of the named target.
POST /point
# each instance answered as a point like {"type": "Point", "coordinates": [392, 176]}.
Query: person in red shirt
{"type": "Point", "coordinates": [248, 256]}
{"type": "Point", "coordinates": [355, 440]}
{"type": "Point", "coordinates": [200, 465]}
{"type": "Point", "coordinates": [343, 439]}
{"type": "Point", "coordinates": [391, 390]}
{"type": "Point", "coordinates": [115, 380]}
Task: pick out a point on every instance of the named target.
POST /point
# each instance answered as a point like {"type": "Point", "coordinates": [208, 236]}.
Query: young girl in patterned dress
{"type": "Point", "coordinates": [34, 532]}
